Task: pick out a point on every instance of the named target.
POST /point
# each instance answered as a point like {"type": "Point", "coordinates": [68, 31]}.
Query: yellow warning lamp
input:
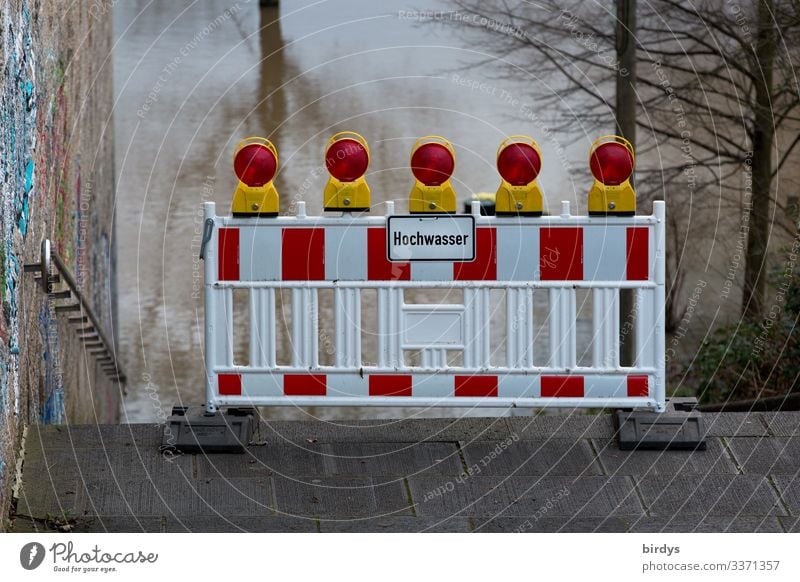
{"type": "Point", "coordinates": [433, 161]}
{"type": "Point", "coordinates": [612, 160]}
{"type": "Point", "coordinates": [255, 162]}
{"type": "Point", "coordinates": [519, 161]}
{"type": "Point", "coordinates": [347, 159]}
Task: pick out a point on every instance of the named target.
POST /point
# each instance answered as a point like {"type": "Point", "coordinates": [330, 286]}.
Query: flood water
{"type": "Point", "coordinates": [192, 78]}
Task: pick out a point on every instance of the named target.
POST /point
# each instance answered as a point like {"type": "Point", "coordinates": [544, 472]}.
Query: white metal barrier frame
{"type": "Point", "coordinates": [523, 256]}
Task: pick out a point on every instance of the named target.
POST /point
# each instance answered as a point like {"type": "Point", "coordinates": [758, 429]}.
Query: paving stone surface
{"type": "Point", "coordinates": [701, 524]}
{"type": "Point", "coordinates": [783, 424]}
{"type": "Point", "coordinates": [341, 496]}
{"type": "Point", "coordinates": [94, 525]}
{"type": "Point", "coordinates": [114, 436]}
{"type": "Point", "coordinates": [181, 497]}
{"type": "Point", "coordinates": [398, 524]}
{"type": "Point", "coordinates": [715, 459]}
{"type": "Point", "coordinates": [561, 426]}
{"type": "Point", "coordinates": [392, 431]}
{"type": "Point", "coordinates": [788, 487]}
{"type": "Point", "coordinates": [382, 459]}
{"type": "Point", "coordinates": [710, 495]}
{"type": "Point", "coordinates": [545, 473]}
{"type": "Point", "coordinates": [768, 455]}
{"type": "Point", "coordinates": [280, 459]}
{"type": "Point", "coordinates": [531, 457]}
{"type": "Point", "coordinates": [246, 524]}
{"type": "Point", "coordinates": [735, 424]}
{"type": "Point", "coordinates": [529, 497]}
{"type": "Point", "coordinates": [109, 463]}
{"type": "Point", "coordinates": [790, 524]}
{"type": "Point", "coordinates": [553, 524]}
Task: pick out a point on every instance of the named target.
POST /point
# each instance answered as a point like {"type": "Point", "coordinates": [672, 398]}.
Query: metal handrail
{"type": "Point", "coordinates": [91, 335]}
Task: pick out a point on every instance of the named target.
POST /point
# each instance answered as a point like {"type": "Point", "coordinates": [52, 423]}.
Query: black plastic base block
{"type": "Point", "coordinates": [192, 430]}
{"type": "Point", "coordinates": [678, 429]}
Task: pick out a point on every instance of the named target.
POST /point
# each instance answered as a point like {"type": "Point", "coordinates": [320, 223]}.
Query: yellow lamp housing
{"type": "Point", "coordinates": [433, 161]}
{"type": "Point", "coordinates": [347, 159]}
{"type": "Point", "coordinates": [255, 162]}
{"type": "Point", "coordinates": [612, 160]}
{"type": "Point", "coordinates": [519, 161]}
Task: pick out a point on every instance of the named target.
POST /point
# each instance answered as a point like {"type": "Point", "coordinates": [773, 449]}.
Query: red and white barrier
{"type": "Point", "coordinates": [521, 256]}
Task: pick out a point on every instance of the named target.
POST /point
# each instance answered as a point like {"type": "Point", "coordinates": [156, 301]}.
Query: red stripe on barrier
{"type": "Point", "coordinates": [303, 254]}
{"type": "Point", "coordinates": [304, 384]}
{"type": "Point", "coordinates": [637, 253]}
{"type": "Point", "coordinates": [562, 386]}
{"type": "Point", "coordinates": [228, 263]}
{"type": "Point", "coordinates": [390, 385]}
{"type": "Point", "coordinates": [484, 267]}
{"type": "Point", "coordinates": [561, 254]}
{"type": "Point", "coordinates": [638, 386]}
{"type": "Point", "coordinates": [229, 384]}
{"type": "Point", "coordinates": [379, 268]}
{"type": "Point", "coordinates": [476, 386]}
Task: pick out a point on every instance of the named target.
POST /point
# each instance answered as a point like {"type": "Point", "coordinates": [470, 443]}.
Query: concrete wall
{"type": "Point", "coordinates": [56, 160]}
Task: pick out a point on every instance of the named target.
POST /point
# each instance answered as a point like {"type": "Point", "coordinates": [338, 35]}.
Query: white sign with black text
{"type": "Point", "coordinates": [438, 237]}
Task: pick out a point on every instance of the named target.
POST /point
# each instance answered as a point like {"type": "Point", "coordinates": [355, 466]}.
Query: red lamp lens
{"type": "Point", "coordinates": [347, 160]}
{"type": "Point", "coordinates": [432, 164]}
{"type": "Point", "coordinates": [255, 165]}
{"type": "Point", "coordinates": [611, 163]}
{"type": "Point", "coordinates": [519, 164]}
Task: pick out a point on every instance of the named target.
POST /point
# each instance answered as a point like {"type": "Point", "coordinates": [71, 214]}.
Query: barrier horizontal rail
{"type": "Point", "coordinates": [432, 285]}
{"type": "Point", "coordinates": [523, 256]}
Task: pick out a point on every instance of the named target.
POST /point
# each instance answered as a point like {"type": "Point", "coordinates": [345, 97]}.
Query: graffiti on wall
{"type": "Point", "coordinates": [18, 111]}
{"type": "Point", "coordinates": [44, 193]}
{"type": "Point", "coordinates": [52, 407]}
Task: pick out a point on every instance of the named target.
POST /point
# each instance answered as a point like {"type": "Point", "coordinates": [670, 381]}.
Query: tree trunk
{"type": "Point", "coordinates": [625, 110]}
{"type": "Point", "coordinates": [755, 271]}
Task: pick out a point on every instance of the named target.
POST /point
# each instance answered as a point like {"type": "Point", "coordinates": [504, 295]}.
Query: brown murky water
{"type": "Point", "coordinates": [194, 77]}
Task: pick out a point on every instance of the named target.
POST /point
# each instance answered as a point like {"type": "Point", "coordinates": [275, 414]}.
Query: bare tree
{"type": "Point", "coordinates": [715, 85]}
{"type": "Point", "coordinates": [625, 108]}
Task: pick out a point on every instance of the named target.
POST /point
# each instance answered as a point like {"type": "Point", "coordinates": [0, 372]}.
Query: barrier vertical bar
{"type": "Point", "coordinates": [477, 328]}
{"type": "Point", "coordinates": [348, 327]}
{"type": "Point", "coordinates": [210, 276]}
{"type": "Point", "coordinates": [605, 328]}
{"type": "Point", "coordinates": [225, 352]}
{"type": "Point", "coordinates": [272, 341]}
{"type": "Point", "coordinates": [659, 345]}
{"type": "Point", "coordinates": [519, 328]}
{"type": "Point", "coordinates": [262, 328]}
{"type": "Point", "coordinates": [305, 328]}
{"type": "Point", "coordinates": [476, 301]}
{"type": "Point", "coordinates": [645, 328]}
{"type": "Point", "coordinates": [390, 349]}
{"type": "Point", "coordinates": [255, 328]}
{"type": "Point", "coordinates": [562, 328]}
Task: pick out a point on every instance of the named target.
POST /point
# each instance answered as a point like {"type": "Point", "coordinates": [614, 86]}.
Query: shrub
{"type": "Point", "coordinates": [755, 359]}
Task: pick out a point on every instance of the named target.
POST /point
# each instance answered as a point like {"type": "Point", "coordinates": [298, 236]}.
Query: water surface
{"type": "Point", "coordinates": [192, 78]}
